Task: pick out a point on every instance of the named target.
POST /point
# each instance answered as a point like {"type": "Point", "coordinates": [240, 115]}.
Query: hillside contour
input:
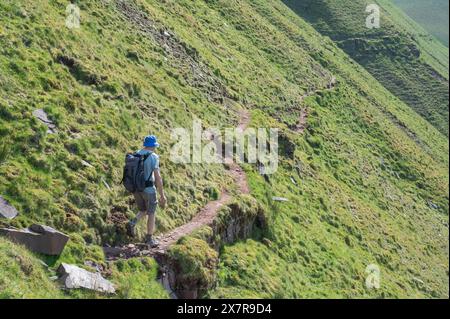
{"type": "Point", "coordinates": [400, 54]}
{"type": "Point", "coordinates": [365, 178]}
{"type": "Point", "coordinates": [432, 15]}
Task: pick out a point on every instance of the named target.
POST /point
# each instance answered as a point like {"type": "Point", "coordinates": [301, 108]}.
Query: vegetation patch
{"type": "Point", "coordinates": [194, 266]}
{"type": "Point", "coordinates": [365, 178]}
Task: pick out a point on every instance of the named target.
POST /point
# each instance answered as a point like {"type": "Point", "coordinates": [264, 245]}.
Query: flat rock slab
{"type": "Point", "coordinates": [74, 277]}
{"type": "Point", "coordinates": [6, 210]}
{"type": "Point", "coordinates": [280, 199]}
{"type": "Point", "coordinates": [38, 238]}
{"type": "Point", "coordinates": [43, 117]}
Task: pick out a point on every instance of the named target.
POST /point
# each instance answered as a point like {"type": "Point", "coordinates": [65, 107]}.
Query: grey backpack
{"type": "Point", "coordinates": [134, 174]}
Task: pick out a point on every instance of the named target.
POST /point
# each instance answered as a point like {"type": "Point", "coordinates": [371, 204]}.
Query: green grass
{"type": "Point", "coordinates": [195, 263]}
{"type": "Point", "coordinates": [366, 169]}
{"type": "Point", "coordinates": [335, 225]}
{"type": "Point", "coordinates": [136, 279]}
{"type": "Point", "coordinates": [22, 276]}
{"type": "Point", "coordinates": [401, 55]}
{"type": "Point", "coordinates": [25, 275]}
{"type": "Point", "coordinates": [432, 15]}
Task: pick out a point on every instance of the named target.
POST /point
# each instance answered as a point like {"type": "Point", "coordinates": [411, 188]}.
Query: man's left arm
{"type": "Point", "coordinates": [159, 184]}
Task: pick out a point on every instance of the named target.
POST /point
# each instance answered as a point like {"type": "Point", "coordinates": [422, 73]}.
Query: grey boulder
{"type": "Point", "coordinates": [38, 238]}
{"type": "Point", "coordinates": [6, 210]}
{"type": "Point", "coordinates": [43, 117]}
{"type": "Point", "coordinates": [74, 277]}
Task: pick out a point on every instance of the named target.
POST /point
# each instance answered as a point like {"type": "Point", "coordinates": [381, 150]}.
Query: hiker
{"type": "Point", "coordinates": [146, 200]}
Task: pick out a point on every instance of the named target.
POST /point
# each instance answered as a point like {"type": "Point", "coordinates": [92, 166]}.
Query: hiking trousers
{"type": "Point", "coordinates": [146, 202]}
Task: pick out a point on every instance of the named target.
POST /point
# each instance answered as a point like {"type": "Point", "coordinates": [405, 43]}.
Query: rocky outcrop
{"type": "Point", "coordinates": [6, 210]}
{"type": "Point", "coordinates": [38, 238]}
{"type": "Point", "coordinates": [43, 117]}
{"type": "Point", "coordinates": [391, 45]}
{"type": "Point", "coordinates": [237, 221]}
{"type": "Point", "coordinates": [74, 277]}
{"type": "Point", "coordinates": [189, 268]}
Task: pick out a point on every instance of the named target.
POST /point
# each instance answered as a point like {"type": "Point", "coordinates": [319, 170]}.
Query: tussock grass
{"type": "Point", "coordinates": [401, 55]}
{"type": "Point", "coordinates": [366, 169]}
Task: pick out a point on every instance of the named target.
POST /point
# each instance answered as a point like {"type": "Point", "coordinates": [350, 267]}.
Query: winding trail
{"type": "Point", "coordinates": [303, 119]}
{"type": "Point", "coordinates": [205, 217]}
{"type": "Point", "coordinates": [208, 213]}
{"type": "Point", "coordinates": [200, 76]}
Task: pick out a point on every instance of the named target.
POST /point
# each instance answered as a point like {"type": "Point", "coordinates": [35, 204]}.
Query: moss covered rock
{"type": "Point", "coordinates": [191, 267]}
{"type": "Point", "coordinates": [238, 219]}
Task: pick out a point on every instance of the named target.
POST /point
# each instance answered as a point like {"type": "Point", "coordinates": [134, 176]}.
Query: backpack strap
{"type": "Point", "coordinates": [148, 182]}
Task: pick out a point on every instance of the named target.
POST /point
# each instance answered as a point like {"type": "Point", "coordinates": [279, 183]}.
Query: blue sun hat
{"type": "Point", "coordinates": [151, 141]}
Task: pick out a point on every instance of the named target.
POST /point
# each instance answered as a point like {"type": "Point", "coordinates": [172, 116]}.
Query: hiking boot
{"type": "Point", "coordinates": [151, 242]}
{"type": "Point", "coordinates": [132, 228]}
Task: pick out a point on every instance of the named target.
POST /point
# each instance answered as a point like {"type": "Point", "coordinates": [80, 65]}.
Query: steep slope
{"type": "Point", "coordinates": [348, 207]}
{"type": "Point", "coordinates": [400, 54]}
{"type": "Point", "coordinates": [22, 276]}
{"type": "Point", "coordinates": [432, 15]}
{"type": "Point", "coordinates": [367, 178]}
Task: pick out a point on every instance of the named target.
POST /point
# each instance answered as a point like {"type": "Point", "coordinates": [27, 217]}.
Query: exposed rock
{"type": "Point", "coordinates": [261, 169]}
{"type": "Point", "coordinates": [113, 251]}
{"type": "Point", "coordinates": [97, 267]}
{"type": "Point", "coordinates": [432, 205]}
{"type": "Point", "coordinates": [87, 164]}
{"type": "Point", "coordinates": [6, 210]}
{"type": "Point", "coordinates": [74, 277]}
{"type": "Point", "coordinates": [126, 252]}
{"type": "Point", "coordinates": [267, 242]}
{"type": "Point", "coordinates": [106, 184]}
{"type": "Point", "coordinates": [180, 54]}
{"type": "Point", "coordinates": [332, 83]}
{"type": "Point", "coordinates": [237, 222]}
{"type": "Point", "coordinates": [38, 238]}
{"type": "Point", "coordinates": [191, 276]}
{"type": "Point", "coordinates": [167, 279]}
{"type": "Point", "coordinates": [280, 199]}
{"type": "Point", "coordinates": [293, 181]}
{"type": "Point", "coordinates": [43, 117]}
{"type": "Point", "coordinates": [43, 263]}
{"type": "Point", "coordinates": [418, 280]}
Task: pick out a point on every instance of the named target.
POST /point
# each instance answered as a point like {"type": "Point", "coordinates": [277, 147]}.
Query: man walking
{"type": "Point", "coordinates": [146, 201]}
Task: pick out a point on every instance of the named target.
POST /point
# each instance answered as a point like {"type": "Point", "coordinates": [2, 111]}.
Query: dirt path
{"type": "Point", "coordinates": [302, 122]}
{"type": "Point", "coordinates": [205, 217]}
{"type": "Point", "coordinates": [198, 75]}
{"type": "Point", "coordinates": [303, 119]}
{"type": "Point", "coordinates": [208, 213]}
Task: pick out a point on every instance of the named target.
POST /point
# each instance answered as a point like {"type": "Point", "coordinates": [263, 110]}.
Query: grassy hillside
{"type": "Point", "coordinates": [28, 276]}
{"type": "Point", "coordinates": [400, 54]}
{"type": "Point", "coordinates": [432, 15]}
{"type": "Point", "coordinates": [367, 181]}
{"type": "Point", "coordinates": [22, 275]}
